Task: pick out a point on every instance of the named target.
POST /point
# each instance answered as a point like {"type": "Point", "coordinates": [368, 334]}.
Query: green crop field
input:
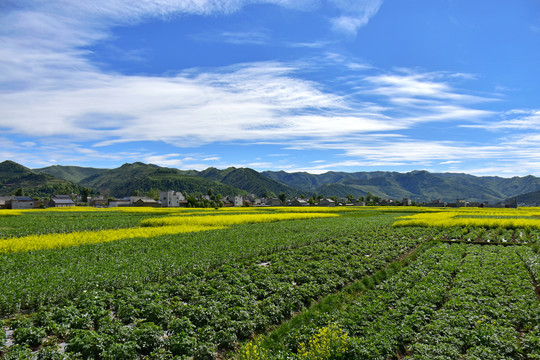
{"type": "Point", "coordinates": [273, 283]}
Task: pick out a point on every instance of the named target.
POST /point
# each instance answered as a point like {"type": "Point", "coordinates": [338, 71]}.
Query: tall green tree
{"type": "Point", "coordinates": [84, 194]}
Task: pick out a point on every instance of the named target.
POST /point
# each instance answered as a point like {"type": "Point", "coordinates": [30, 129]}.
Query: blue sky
{"type": "Point", "coordinates": [294, 85]}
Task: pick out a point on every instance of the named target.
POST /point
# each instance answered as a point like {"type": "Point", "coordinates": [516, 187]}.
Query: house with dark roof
{"type": "Point", "coordinates": [61, 201]}
{"type": "Point", "coordinates": [20, 202]}
{"type": "Point", "coordinates": [146, 202]}
{"type": "Point", "coordinates": [299, 202]}
{"type": "Point", "coordinates": [327, 202]}
{"type": "Point", "coordinates": [273, 202]}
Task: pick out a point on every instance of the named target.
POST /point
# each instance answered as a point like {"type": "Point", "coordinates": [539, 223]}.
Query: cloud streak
{"type": "Point", "coordinates": [249, 102]}
{"type": "Point", "coordinates": [519, 119]}
{"type": "Point", "coordinates": [357, 14]}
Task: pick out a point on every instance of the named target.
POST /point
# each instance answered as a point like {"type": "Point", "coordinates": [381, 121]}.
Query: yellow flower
{"type": "Point", "coordinates": [328, 342]}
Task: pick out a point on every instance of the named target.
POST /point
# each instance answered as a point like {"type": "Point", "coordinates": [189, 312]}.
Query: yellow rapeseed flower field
{"type": "Point", "coordinates": [56, 241]}
{"type": "Point", "coordinates": [10, 213]}
{"type": "Point", "coordinates": [481, 217]}
{"type": "Point", "coordinates": [151, 228]}
{"type": "Point", "coordinates": [227, 220]}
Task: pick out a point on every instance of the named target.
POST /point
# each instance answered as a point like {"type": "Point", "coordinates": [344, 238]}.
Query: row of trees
{"type": "Point", "coordinates": [212, 200]}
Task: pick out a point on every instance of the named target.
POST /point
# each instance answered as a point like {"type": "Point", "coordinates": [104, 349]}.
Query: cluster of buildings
{"type": "Point", "coordinates": [465, 203]}
{"type": "Point", "coordinates": [177, 199]}
{"type": "Point", "coordinates": [26, 202]}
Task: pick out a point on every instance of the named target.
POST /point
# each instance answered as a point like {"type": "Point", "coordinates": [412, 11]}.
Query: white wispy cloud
{"type": "Point", "coordinates": [518, 119]}
{"type": "Point", "coordinates": [373, 150]}
{"type": "Point", "coordinates": [416, 85]}
{"type": "Point", "coordinates": [356, 14]}
{"type": "Point", "coordinates": [167, 160]}
{"type": "Point", "coordinates": [235, 37]}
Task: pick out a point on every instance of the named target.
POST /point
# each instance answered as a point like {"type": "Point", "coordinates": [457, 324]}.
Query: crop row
{"type": "Point", "coordinates": [493, 318]}
{"type": "Point", "coordinates": [382, 320]}
{"type": "Point", "coordinates": [195, 308]}
{"type": "Point", "coordinates": [455, 301]}
{"type": "Point", "coordinates": [490, 235]}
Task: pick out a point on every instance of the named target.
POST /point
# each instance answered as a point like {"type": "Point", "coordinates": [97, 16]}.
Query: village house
{"type": "Point", "coordinates": [462, 203]}
{"type": "Point", "coordinates": [20, 202]}
{"type": "Point", "coordinates": [98, 201]}
{"type": "Point", "coordinates": [299, 202]}
{"type": "Point", "coordinates": [119, 202]}
{"type": "Point", "coordinates": [61, 201]}
{"type": "Point", "coordinates": [436, 203]}
{"type": "Point", "coordinates": [327, 202]}
{"type": "Point", "coordinates": [237, 200]}
{"type": "Point", "coordinates": [146, 202]}
{"type": "Point", "coordinates": [273, 202]}
{"type": "Point", "coordinates": [257, 202]}
{"type": "Point", "coordinates": [172, 198]}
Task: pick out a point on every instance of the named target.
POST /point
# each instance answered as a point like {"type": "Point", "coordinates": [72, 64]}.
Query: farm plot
{"type": "Point", "coordinates": [456, 301]}
{"type": "Point", "coordinates": [151, 228]}
{"type": "Point", "coordinates": [187, 295]}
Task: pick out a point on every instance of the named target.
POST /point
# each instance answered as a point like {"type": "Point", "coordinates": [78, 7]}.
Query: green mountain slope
{"type": "Point", "coordinates": [527, 199]}
{"type": "Point", "coordinates": [249, 180]}
{"type": "Point", "coordinates": [14, 176]}
{"type": "Point", "coordinates": [71, 173]}
{"type": "Point", "coordinates": [128, 178]}
{"type": "Point", "coordinates": [339, 190]}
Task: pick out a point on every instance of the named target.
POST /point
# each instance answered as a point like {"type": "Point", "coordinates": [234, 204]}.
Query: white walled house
{"type": "Point", "coordinates": [171, 198]}
{"type": "Point", "coordinates": [237, 200]}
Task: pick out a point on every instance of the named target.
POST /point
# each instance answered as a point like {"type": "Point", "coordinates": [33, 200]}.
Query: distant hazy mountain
{"type": "Point", "coordinates": [416, 185]}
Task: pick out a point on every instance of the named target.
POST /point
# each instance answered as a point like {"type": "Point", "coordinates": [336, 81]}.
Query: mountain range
{"type": "Point", "coordinates": [130, 178]}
